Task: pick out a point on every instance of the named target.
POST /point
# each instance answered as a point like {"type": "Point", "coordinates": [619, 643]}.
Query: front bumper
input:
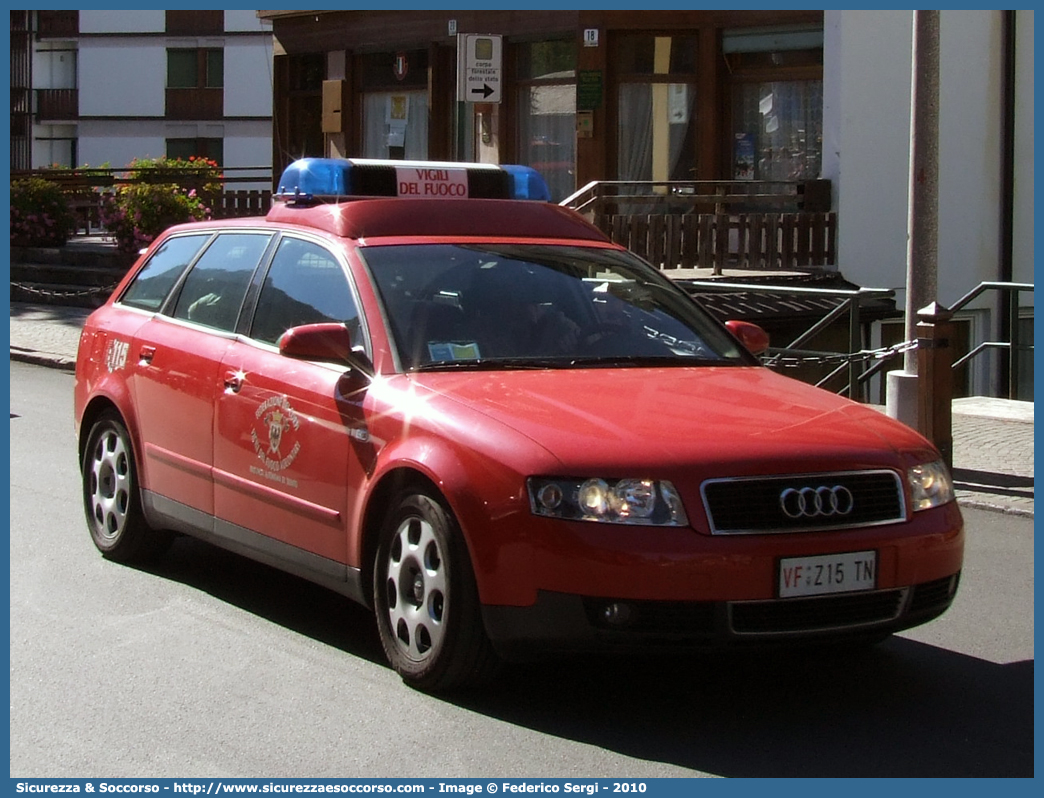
{"type": "Point", "coordinates": [563, 623]}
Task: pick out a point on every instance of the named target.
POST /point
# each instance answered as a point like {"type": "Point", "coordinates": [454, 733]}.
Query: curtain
{"type": "Point", "coordinates": [656, 131]}
{"type": "Point", "coordinates": [547, 128]}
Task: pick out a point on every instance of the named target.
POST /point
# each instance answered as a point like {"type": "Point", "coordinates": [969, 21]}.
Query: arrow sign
{"type": "Point", "coordinates": [479, 62]}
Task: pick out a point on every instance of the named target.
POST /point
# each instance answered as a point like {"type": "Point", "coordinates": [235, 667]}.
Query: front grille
{"type": "Point", "coordinates": [753, 505]}
{"type": "Point", "coordinates": [815, 614]}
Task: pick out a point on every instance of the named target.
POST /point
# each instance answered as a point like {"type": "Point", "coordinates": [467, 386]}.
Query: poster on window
{"type": "Point", "coordinates": [743, 157]}
{"type": "Point", "coordinates": [397, 116]}
{"type": "Point", "coordinates": [678, 103]}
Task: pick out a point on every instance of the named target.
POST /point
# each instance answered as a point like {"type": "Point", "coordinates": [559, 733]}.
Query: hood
{"type": "Point", "coordinates": [740, 420]}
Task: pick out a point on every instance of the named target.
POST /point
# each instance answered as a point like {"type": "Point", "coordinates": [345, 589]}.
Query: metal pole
{"type": "Point", "coordinates": [1014, 343]}
{"type": "Point", "coordinates": [1008, 368]}
{"type": "Point", "coordinates": [855, 344]}
{"type": "Point", "coordinates": [905, 387]}
{"type": "Point", "coordinates": [922, 250]}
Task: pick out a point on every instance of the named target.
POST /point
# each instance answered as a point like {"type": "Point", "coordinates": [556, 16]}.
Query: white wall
{"type": "Point", "coordinates": [970, 139]}
{"type": "Point", "coordinates": [53, 144]}
{"type": "Point", "coordinates": [248, 77]}
{"type": "Point", "coordinates": [245, 20]}
{"type": "Point", "coordinates": [872, 65]}
{"type": "Point", "coordinates": [122, 77]}
{"type": "Point", "coordinates": [54, 66]}
{"type": "Point", "coordinates": [116, 146]}
{"type": "Point", "coordinates": [122, 21]}
{"type": "Point", "coordinates": [831, 164]}
{"type": "Point", "coordinates": [867, 78]}
{"type": "Point", "coordinates": [248, 150]}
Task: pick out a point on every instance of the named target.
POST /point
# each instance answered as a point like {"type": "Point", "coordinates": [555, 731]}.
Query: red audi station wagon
{"type": "Point", "coordinates": [430, 389]}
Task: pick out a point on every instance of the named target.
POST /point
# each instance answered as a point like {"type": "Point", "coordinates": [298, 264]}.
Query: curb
{"type": "Point", "coordinates": [40, 359]}
{"type": "Point", "coordinates": [978, 504]}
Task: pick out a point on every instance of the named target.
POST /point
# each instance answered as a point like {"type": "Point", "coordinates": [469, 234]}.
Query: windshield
{"type": "Point", "coordinates": [538, 306]}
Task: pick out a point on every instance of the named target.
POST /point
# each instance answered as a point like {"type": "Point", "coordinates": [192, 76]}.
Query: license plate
{"type": "Point", "coordinates": [827, 573]}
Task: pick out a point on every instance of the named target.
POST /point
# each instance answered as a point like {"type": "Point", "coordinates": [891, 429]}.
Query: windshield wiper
{"type": "Point", "coordinates": [492, 364]}
{"type": "Point", "coordinates": [540, 364]}
{"type": "Point", "coordinates": [645, 361]}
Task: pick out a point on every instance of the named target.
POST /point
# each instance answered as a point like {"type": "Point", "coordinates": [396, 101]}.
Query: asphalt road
{"type": "Point", "coordinates": [209, 665]}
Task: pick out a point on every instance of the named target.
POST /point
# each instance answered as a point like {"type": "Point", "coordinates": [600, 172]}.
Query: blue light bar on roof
{"type": "Point", "coordinates": [333, 178]}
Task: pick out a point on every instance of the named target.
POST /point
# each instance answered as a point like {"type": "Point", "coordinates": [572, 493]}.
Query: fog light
{"type": "Point", "coordinates": [617, 614]}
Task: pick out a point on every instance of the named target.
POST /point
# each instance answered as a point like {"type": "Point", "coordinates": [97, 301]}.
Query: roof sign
{"type": "Point", "coordinates": [432, 182]}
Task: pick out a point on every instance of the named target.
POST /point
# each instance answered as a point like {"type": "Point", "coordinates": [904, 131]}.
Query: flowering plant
{"type": "Point", "coordinates": [40, 214]}
{"type": "Point", "coordinates": [159, 193]}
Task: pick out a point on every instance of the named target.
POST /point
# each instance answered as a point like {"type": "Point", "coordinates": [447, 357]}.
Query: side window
{"type": "Point", "coordinates": [152, 284]}
{"type": "Point", "coordinates": [305, 284]}
{"type": "Point", "coordinates": [214, 290]}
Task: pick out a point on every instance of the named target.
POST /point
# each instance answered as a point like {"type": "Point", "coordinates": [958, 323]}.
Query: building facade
{"type": "Point", "coordinates": [585, 95]}
{"type": "Point", "coordinates": [710, 95]}
{"type": "Point", "coordinates": [105, 87]}
{"type": "Point", "coordinates": [985, 152]}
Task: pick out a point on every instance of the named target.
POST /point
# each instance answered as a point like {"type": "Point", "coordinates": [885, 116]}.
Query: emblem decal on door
{"type": "Point", "coordinates": [273, 435]}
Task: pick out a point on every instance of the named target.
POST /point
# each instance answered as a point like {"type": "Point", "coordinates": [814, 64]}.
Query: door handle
{"type": "Point", "coordinates": [233, 381]}
{"type": "Point", "coordinates": [145, 355]}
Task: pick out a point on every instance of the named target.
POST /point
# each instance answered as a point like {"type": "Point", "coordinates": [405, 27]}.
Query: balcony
{"type": "Point", "coordinates": [195, 23]}
{"type": "Point", "coordinates": [57, 105]}
{"type": "Point", "coordinates": [194, 104]}
{"type": "Point", "coordinates": [58, 24]}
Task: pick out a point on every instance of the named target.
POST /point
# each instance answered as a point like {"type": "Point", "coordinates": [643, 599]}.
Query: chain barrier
{"type": "Point", "coordinates": [781, 361]}
{"type": "Point", "coordinates": [773, 361]}
{"type": "Point", "coordinates": [64, 294]}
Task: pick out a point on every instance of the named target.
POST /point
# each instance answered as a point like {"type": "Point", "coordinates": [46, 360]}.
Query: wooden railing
{"type": "Point", "coordinates": [195, 103]}
{"type": "Point", "coordinates": [706, 224]}
{"type": "Point", "coordinates": [58, 24]}
{"type": "Point", "coordinates": [85, 189]}
{"type": "Point", "coordinates": [57, 104]}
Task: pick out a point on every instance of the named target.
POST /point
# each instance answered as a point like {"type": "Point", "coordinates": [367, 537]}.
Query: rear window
{"type": "Point", "coordinates": [159, 275]}
{"type": "Point", "coordinates": [214, 290]}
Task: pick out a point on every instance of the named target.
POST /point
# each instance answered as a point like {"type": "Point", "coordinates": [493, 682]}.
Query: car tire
{"type": "Point", "coordinates": [112, 498]}
{"type": "Point", "coordinates": [426, 599]}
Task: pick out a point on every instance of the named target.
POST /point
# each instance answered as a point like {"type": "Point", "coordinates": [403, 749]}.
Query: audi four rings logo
{"type": "Point", "coordinates": [821, 502]}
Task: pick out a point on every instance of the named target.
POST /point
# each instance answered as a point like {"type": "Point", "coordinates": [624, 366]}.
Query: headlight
{"type": "Point", "coordinates": [930, 485]}
{"type": "Point", "coordinates": [621, 501]}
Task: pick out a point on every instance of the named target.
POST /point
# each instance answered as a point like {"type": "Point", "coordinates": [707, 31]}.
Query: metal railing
{"type": "Point", "coordinates": [1011, 340]}
{"type": "Point", "coordinates": [849, 302]}
{"type": "Point", "coordinates": [864, 364]}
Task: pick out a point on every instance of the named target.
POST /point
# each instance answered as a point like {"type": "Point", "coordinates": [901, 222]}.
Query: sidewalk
{"type": "Point", "coordinates": [992, 438]}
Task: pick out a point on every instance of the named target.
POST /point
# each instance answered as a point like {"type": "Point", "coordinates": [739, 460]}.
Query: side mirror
{"type": "Point", "coordinates": [326, 341]}
{"type": "Point", "coordinates": [755, 339]}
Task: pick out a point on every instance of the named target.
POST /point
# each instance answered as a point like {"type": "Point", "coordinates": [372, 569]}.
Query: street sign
{"type": "Point", "coordinates": [479, 67]}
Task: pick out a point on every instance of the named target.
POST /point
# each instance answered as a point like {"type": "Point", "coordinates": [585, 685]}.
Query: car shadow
{"type": "Point", "coordinates": [901, 709]}
{"type": "Point", "coordinates": [282, 598]}
{"type": "Point", "coordinates": [993, 483]}
{"type": "Point", "coordinates": [56, 314]}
